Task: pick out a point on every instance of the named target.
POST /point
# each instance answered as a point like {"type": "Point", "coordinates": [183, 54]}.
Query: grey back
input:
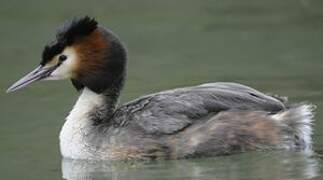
{"type": "Point", "coordinates": [170, 111]}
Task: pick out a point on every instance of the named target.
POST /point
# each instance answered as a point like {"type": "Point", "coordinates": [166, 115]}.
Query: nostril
{"type": "Point", "coordinates": [254, 95]}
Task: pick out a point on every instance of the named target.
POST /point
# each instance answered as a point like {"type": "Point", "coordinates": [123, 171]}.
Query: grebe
{"type": "Point", "coordinates": [206, 120]}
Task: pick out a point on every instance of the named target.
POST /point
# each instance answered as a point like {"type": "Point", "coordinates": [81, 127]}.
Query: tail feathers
{"type": "Point", "coordinates": [296, 126]}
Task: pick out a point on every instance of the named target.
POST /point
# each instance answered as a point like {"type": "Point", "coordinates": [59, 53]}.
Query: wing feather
{"type": "Point", "coordinates": [170, 111]}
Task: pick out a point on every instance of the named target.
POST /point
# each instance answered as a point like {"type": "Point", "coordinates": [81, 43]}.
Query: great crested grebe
{"type": "Point", "coordinates": [206, 120]}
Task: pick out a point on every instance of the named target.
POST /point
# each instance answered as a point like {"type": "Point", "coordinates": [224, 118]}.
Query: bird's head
{"type": "Point", "coordinates": [88, 54]}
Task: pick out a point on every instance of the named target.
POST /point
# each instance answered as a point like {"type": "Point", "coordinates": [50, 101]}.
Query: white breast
{"type": "Point", "coordinates": [77, 125]}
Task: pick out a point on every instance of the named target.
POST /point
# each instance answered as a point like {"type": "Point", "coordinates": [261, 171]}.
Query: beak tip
{"type": "Point", "coordinates": [35, 75]}
{"type": "Point", "coordinates": [10, 90]}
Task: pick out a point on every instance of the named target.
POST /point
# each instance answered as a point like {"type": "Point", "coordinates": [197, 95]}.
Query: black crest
{"type": "Point", "coordinates": [76, 28]}
{"type": "Point", "coordinates": [67, 34]}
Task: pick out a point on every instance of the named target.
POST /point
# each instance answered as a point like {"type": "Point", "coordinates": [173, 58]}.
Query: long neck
{"type": "Point", "coordinates": [90, 109]}
{"type": "Point", "coordinates": [93, 107]}
{"type": "Point", "coordinates": [105, 112]}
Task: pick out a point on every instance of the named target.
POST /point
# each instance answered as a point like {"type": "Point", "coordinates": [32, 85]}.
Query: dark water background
{"type": "Point", "coordinates": [273, 45]}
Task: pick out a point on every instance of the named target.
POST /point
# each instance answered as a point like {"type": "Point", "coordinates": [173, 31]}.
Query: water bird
{"type": "Point", "coordinates": [210, 119]}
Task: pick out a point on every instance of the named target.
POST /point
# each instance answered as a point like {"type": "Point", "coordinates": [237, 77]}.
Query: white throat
{"type": "Point", "coordinates": [78, 124]}
{"type": "Point", "coordinates": [87, 101]}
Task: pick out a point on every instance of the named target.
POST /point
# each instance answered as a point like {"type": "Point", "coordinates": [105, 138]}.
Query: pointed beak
{"type": "Point", "coordinates": [37, 74]}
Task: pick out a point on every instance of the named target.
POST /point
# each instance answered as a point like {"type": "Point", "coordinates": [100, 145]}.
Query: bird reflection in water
{"type": "Point", "coordinates": [272, 165]}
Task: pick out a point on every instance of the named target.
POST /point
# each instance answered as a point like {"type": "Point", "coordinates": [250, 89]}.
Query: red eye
{"type": "Point", "coordinates": [62, 58]}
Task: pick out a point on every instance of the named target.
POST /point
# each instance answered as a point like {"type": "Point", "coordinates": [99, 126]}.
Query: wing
{"type": "Point", "coordinates": [170, 111]}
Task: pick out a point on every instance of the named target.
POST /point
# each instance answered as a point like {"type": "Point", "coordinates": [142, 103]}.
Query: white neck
{"type": "Point", "coordinates": [78, 124]}
{"type": "Point", "coordinates": [85, 104]}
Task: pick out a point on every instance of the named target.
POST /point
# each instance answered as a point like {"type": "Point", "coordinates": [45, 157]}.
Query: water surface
{"type": "Point", "coordinates": [272, 45]}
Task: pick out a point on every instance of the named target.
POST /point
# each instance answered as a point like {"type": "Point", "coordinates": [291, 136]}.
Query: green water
{"type": "Point", "coordinates": [273, 45]}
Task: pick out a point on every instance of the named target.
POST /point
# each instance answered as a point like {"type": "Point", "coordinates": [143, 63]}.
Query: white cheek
{"type": "Point", "coordinates": [65, 70]}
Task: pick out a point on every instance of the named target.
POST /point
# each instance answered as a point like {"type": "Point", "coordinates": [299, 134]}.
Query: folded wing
{"type": "Point", "coordinates": [170, 111]}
